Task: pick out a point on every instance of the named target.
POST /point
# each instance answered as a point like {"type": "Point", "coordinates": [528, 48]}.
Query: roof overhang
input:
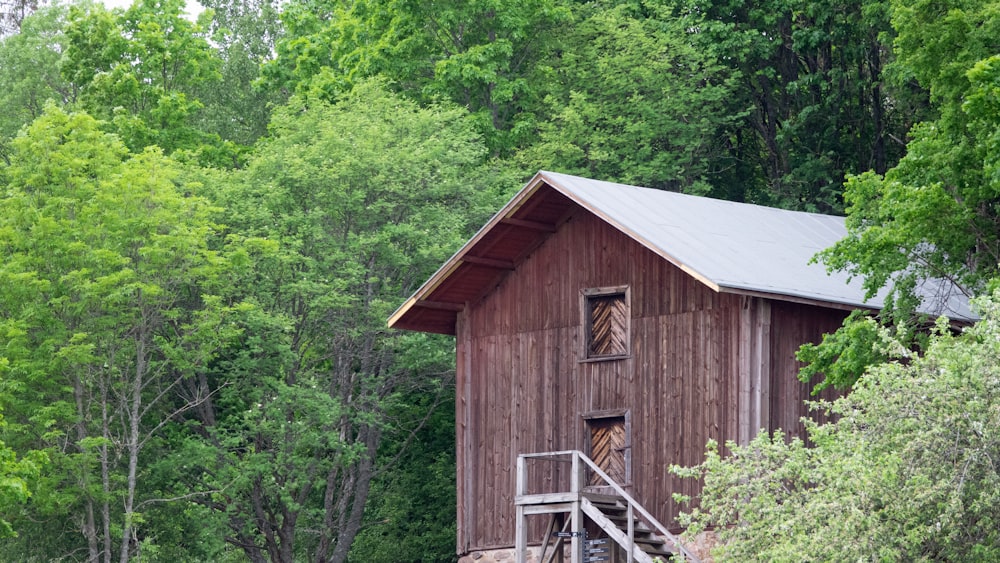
{"type": "Point", "coordinates": [517, 229]}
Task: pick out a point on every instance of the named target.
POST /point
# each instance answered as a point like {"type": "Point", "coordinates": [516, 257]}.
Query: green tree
{"type": "Point", "coordinates": [934, 215]}
{"type": "Point", "coordinates": [245, 34]}
{"type": "Point", "coordinates": [29, 71]}
{"type": "Point", "coordinates": [489, 56]}
{"type": "Point", "coordinates": [813, 94]}
{"type": "Point", "coordinates": [348, 207]}
{"type": "Point", "coordinates": [141, 70]}
{"type": "Point", "coordinates": [109, 301]}
{"type": "Point", "coordinates": [633, 99]}
{"type": "Point", "coordinates": [906, 473]}
{"type": "Point", "coordinates": [410, 516]}
{"type": "Point", "coordinates": [17, 473]}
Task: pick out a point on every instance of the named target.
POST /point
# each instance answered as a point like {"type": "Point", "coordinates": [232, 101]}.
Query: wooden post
{"type": "Point", "coordinates": [521, 526]}
{"type": "Point", "coordinates": [631, 533]}
{"type": "Point", "coordinates": [745, 365]}
{"type": "Point", "coordinates": [576, 480]}
{"type": "Point", "coordinates": [762, 367]}
{"type": "Point", "coordinates": [522, 536]}
{"type": "Point", "coordinates": [754, 368]}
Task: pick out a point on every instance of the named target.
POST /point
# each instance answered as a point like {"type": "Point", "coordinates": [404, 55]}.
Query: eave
{"type": "Point", "coordinates": [509, 237]}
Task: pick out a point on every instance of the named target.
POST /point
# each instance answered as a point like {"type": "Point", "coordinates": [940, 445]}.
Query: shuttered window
{"type": "Point", "coordinates": [607, 449]}
{"type": "Point", "coordinates": [606, 322]}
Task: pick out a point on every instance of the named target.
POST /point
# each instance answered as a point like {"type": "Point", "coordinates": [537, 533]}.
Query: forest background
{"type": "Point", "coordinates": [205, 222]}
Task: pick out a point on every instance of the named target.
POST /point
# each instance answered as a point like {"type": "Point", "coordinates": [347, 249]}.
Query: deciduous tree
{"type": "Point", "coordinates": [633, 98]}
{"type": "Point", "coordinates": [109, 301]}
{"type": "Point", "coordinates": [351, 205]}
{"type": "Point", "coordinates": [29, 71]}
{"type": "Point", "coordinates": [813, 95]}
{"type": "Point", "coordinates": [935, 214]}
{"type": "Point", "coordinates": [489, 56]}
{"type": "Point", "coordinates": [141, 70]}
{"type": "Point", "coordinates": [245, 33]}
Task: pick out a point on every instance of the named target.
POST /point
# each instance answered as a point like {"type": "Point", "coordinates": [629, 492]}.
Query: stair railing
{"type": "Point", "coordinates": [576, 488]}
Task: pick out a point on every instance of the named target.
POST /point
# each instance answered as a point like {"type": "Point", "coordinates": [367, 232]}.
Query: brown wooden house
{"type": "Point", "coordinates": [632, 325]}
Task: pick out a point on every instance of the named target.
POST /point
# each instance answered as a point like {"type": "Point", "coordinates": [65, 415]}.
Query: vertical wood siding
{"type": "Point", "coordinates": [523, 388]}
{"type": "Point", "coordinates": [792, 325]}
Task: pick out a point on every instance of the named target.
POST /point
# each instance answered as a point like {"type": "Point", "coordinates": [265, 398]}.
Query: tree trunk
{"type": "Point", "coordinates": [89, 524]}
{"type": "Point", "coordinates": [356, 497]}
{"type": "Point", "coordinates": [105, 469]}
{"type": "Point", "coordinates": [134, 414]}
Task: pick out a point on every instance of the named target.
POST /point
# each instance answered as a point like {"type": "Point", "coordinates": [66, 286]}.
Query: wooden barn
{"type": "Point", "coordinates": [604, 332]}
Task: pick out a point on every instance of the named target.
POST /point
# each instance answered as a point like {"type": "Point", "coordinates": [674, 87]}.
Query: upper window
{"type": "Point", "coordinates": [606, 322]}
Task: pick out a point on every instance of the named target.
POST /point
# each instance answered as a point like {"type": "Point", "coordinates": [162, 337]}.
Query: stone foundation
{"type": "Point", "coordinates": [498, 556]}
{"type": "Point", "coordinates": [700, 547]}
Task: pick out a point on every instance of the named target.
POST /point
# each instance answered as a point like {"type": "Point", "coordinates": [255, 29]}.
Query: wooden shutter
{"type": "Point", "coordinates": [607, 448]}
{"type": "Point", "coordinates": [608, 317]}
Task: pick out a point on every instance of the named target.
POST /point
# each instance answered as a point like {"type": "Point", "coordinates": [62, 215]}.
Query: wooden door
{"type": "Point", "coordinates": [608, 449]}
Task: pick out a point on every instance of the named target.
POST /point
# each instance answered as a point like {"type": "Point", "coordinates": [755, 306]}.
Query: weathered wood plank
{"type": "Point", "coordinates": [762, 357]}
{"type": "Point", "coordinates": [464, 436]}
{"type": "Point", "coordinates": [745, 362]}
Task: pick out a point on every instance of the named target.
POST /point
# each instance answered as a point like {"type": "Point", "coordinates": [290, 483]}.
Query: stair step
{"type": "Point", "coordinates": [653, 540]}
{"type": "Point", "coordinates": [608, 500]}
{"type": "Point", "coordinates": [614, 511]}
{"type": "Point", "coordinates": [661, 553]}
{"type": "Point", "coordinates": [623, 520]}
{"type": "Point", "coordinates": [619, 513]}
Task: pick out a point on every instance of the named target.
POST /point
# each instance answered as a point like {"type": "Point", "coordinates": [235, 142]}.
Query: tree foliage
{"type": "Point", "coordinates": [18, 473]}
{"type": "Point", "coordinates": [907, 472]}
{"type": "Point", "coordinates": [201, 246]}
{"type": "Point", "coordinates": [108, 302]}
{"type": "Point", "coordinates": [245, 33]}
{"type": "Point", "coordinates": [934, 215]}
{"type": "Point", "coordinates": [486, 55]}
{"type": "Point", "coordinates": [773, 103]}
{"type": "Point", "coordinates": [636, 101]}
{"type": "Point", "coordinates": [812, 83]}
{"type": "Point", "coordinates": [29, 70]}
{"type": "Point", "coordinates": [346, 208]}
{"type": "Point", "coordinates": [410, 516]}
{"type": "Point", "coordinates": [141, 70]}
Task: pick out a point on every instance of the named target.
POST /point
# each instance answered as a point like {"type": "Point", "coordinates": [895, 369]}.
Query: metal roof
{"type": "Point", "coordinates": [731, 247]}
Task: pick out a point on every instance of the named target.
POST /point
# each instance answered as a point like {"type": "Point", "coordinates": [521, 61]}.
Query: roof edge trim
{"type": "Point", "coordinates": [798, 299]}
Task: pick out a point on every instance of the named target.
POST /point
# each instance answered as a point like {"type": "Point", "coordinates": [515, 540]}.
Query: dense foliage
{"type": "Point", "coordinates": [335, 210]}
{"type": "Point", "coordinates": [110, 299]}
{"type": "Point", "coordinates": [934, 215]}
{"type": "Point", "coordinates": [907, 471]}
{"type": "Point", "coordinates": [204, 224]}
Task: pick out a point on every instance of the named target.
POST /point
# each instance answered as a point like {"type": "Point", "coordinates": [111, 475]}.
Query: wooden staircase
{"type": "Point", "coordinates": [639, 537]}
{"type": "Point", "coordinates": [612, 515]}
